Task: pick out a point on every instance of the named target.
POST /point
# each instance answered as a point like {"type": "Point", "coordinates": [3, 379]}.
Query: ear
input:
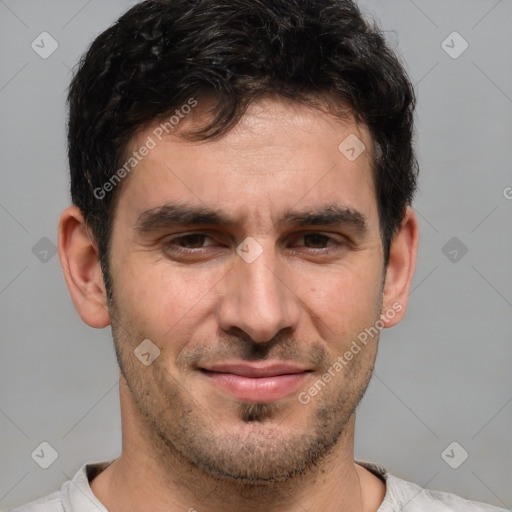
{"type": "Point", "coordinates": [400, 270]}
{"type": "Point", "coordinates": [80, 263]}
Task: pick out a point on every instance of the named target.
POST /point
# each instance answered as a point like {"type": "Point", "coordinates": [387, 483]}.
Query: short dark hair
{"type": "Point", "coordinates": [161, 53]}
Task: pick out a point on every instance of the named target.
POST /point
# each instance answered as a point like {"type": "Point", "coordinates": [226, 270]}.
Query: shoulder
{"type": "Point", "coordinates": [416, 499]}
{"type": "Point", "coordinates": [75, 495]}
{"type": "Point", "coordinates": [405, 496]}
{"type": "Point", "coordinates": [50, 503]}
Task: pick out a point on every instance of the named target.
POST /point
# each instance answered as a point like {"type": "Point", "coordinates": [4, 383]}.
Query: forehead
{"type": "Point", "coordinates": [280, 155]}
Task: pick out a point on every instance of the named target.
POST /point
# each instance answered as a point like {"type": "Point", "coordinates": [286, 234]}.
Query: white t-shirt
{"type": "Point", "coordinates": [401, 496]}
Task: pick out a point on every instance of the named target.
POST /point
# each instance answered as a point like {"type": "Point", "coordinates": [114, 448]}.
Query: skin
{"type": "Point", "coordinates": [187, 444]}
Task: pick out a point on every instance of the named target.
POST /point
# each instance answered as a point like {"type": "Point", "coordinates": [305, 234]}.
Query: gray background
{"type": "Point", "coordinates": [442, 375]}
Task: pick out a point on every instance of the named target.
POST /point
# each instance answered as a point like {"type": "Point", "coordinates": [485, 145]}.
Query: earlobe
{"type": "Point", "coordinates": [80, 263]}
{"type": "Point", "coordinates": [400, 270]}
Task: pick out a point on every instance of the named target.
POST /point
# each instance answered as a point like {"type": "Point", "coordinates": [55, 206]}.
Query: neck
{"type": "Point", "coordinates": [149, 472]}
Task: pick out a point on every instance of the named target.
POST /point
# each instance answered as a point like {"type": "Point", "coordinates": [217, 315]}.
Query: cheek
{"type": "Point", "coordinates": [163, 303]}
{"type": "Point", "coordinates": [344, 301]}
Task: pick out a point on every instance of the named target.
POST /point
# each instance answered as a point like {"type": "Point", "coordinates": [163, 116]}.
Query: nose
{"type": "Point", "coordinates": [258, 298]}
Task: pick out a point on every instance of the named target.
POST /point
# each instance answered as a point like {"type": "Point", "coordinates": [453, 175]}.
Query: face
{"type": "Point", "coordinates": [252, 263]}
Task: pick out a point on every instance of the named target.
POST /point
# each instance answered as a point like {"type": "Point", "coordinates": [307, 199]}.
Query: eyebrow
{"type": "Point", "coordinates": [329, 215]}
{"type": "Point", "coordinates": [179, 214]}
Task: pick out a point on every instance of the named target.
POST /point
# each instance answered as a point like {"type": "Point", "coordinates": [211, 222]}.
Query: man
{"type": "Point", "coordinates": [241, 173]}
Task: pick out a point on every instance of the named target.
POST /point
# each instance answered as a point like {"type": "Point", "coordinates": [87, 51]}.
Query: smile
{"type": "Point", "coordinates": [257, 384]}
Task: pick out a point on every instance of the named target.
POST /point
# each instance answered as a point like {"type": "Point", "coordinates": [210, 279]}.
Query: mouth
{"type": "Point", "coordinates": [263, 383]}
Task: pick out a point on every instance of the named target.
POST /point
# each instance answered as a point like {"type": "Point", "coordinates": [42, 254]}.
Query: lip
{"type": "Point", "coordinates": [261, 383]}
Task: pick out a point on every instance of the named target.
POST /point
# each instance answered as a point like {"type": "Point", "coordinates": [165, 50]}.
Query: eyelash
{"type": "Point", "coordinates": [170, 244]}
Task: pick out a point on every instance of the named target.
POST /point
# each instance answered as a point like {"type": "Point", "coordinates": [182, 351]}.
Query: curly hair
{"type": "Point", "coordinates": [160, 53]}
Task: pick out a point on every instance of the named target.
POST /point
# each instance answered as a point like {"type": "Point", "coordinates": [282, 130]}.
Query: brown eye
{"type": "Point", "coordinates": [316, 240]}
{"type": "Point", "coordinates": [193, 241]}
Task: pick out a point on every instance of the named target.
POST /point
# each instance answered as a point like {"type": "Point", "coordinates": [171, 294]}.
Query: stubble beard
{"type": "Point", "coordinates": [262, 451]}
